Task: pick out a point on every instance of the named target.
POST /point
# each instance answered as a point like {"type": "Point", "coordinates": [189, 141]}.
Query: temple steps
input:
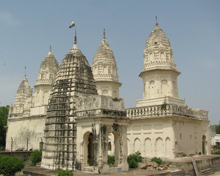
{"type": "Point", "coordinates": [208, 171]}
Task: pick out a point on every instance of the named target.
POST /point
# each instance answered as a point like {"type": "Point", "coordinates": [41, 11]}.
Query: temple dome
{"type": "Point", "coordinates": [48, 70]}
{"type": "Point", "coordinates": [23, 93]}
{"type": "Point", "coordinates": [104, 65]}
{"type": "Point", "coordinates": [158, 52]}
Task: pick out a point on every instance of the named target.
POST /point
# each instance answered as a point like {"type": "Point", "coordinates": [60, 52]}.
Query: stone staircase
{"type": "Point", "coordinates": [210, 171]}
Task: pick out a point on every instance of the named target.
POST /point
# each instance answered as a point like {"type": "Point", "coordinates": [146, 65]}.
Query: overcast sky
{"type": "Point", "coordinates": [28, 28]}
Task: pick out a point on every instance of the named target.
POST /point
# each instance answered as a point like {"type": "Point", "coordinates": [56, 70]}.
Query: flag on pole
{"type": "Point", "coordinates": [72, 24]}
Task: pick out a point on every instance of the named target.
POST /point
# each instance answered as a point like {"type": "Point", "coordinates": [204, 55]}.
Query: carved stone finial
{"type": "Point", "coordinates": [104, 34]}
{"type": "Point", "coordinates": [50, 48]}
{"type": "Point", "coordinates": [156, 18]}
{"type": "Point", "coordinates": [25, 70]}
{"type": "Point", "coordinates": [75, 38]}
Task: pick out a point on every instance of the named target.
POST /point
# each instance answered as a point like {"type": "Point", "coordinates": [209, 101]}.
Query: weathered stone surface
{"type": "Point", "coordinates": [105, 70]}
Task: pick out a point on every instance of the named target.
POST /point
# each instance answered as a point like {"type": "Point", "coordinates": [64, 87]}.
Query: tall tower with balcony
{"type": "Point", "coordinates": [105, 70]}
{"type": "Point", "coordinates": [159, 73]}
{"type": "Point", "coordinates": [44, 84]}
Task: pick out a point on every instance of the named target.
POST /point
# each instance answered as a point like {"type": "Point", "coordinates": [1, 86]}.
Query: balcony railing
{"type": "Point", "coordinates": [166, 110]}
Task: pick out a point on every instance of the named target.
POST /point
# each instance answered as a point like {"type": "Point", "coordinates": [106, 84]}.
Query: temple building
{"type": "Point", "coordinates": [76, 116]}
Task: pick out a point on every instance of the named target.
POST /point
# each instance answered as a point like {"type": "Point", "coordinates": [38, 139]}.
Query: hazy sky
{"type": "Point", "coordinates": [28, 28]}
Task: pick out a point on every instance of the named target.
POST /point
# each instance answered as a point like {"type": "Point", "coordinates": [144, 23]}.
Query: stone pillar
{"type": "Point", "coordinates": [124, 163]}
{"type": "Point", "coordinates": [104, 148]}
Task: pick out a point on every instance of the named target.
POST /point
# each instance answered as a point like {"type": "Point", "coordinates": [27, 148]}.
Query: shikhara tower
{"type": "Point", "coordinates": [45, 81]}
{"type": "Point", "coordinates": [105, 70]}
{"type": "Point", "coordinates": [79, 120]}
{"type": "Point", "coordinates": [159, 73]}
{"type": "Point", "coordinates": [162, 125]}
{"type": "Point", "coordinates": [74, 78]}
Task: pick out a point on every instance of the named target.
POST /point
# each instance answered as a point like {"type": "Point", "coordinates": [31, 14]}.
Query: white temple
{"type": "Point", "coordinates": [85, 119]}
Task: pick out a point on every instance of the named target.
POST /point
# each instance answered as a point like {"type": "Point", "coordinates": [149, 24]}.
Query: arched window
{"type": "Point", "coordinates": [137, 145]}
{"type": "Point", "coordinates": [164, 88]}
{"type": "Point", "coordinates": [152, 89]}
{"type": "Point", "coordinates": [104, 92]}
{"type": "Point", "coordinates": [168, 150]}
{"type": "Point", "coordinates": [148, 147]}
{"type": "Point", "coordinates": [159, 147]}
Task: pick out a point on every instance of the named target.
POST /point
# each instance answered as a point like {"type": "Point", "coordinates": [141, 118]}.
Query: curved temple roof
{"type": "Point", "coordinates": [158, 52]}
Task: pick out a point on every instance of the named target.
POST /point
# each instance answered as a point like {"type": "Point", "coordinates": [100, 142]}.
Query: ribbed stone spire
{"type": "Point", "coordinates": [74, 79]}
{"type": "Point", "coordinates": [104, 65]}
{"type": "Point", "coordinates": [48, 70]}
{"type": "Point", "coordinates": [158, 52]}
{"type": "Point", "coordinates": [23, 93]}
{"type": "Point", "coordinates": [159, 73]}
{"type": "Point", "coordinates": [45, 80]}
{"type": "Point", "coordinates": [105, 70]}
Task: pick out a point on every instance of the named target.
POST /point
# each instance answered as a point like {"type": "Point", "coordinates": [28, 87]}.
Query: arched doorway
{"type": "Point", "coordinates": [204, 145]}
{"type": "Point", "coordinates": [111, 146]}
{"type": "Point", "coordinates": [113, 137]}
{"type": "Point", "coordinates": [88, 148]}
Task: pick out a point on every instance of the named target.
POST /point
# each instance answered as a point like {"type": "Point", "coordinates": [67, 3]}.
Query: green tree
{"type": "Point", "coordinates": [10, 165]}
{"type": "Point", "coordinates": [217, 127]}
{"type": "Point", "coordinates": [3, 123]}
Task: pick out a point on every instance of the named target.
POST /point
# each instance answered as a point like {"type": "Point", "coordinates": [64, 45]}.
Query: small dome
{"type": "Point", "coordinates": [104, 65]}
{"type": "Point", "coordinates": [104, 53]}
{"type": "Point", "coordinates": [24, 87]}
{"type": "Point", "coordinates": [49, 61]}
{"type": "Point", "coordinates": [158, 39]}
{"type": "Point", "coordinates": [24, 91]}
{"type": "Point", "coordinates": [48, 70]}
{"type": "Point", "coordinates": [158, 51]}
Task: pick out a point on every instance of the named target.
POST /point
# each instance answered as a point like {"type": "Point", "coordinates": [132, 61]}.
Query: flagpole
{"type": "Point", "coordinates": [75, 38]}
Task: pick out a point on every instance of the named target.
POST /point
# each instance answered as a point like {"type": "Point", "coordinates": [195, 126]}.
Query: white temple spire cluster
{"type": "Point", "coordinates": [77, 118]}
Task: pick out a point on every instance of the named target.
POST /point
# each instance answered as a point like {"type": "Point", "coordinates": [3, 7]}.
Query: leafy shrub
{"type": "Point", "coordinates": [132, 163]}
{"type": "Point", "coordinates": [36, 157]}
{"type": "Point", "coordinates": [64, 173]}
{"type": "Point", "coordinates": [134, 159]}
{"type": "Point", "coordinates": [157, 160]}
{"type": "Point", "coordinates": [216, 152]}
{"type": "Point", "coordinates": [111, 159]}
{"type": "Point", "coordinates": [10, 165]}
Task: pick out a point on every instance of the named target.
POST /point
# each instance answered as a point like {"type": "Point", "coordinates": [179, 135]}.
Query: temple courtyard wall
{"type": "Point", "coordinates": [25, 133]}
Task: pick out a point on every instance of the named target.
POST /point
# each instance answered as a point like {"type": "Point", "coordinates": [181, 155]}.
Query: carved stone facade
{"type": "Point", "coordinates": [74, 102]}
{"type": "Point", "coordinates": [105, 70]}
{"type": "Point", "coordinates": [85, 120]}
{"type": "Point", "coordinates": [31, 109]}
{"type": "Point", "coordinates": [23, 94]}
{"type": "Point", "coordinates": [162, 125]}
{"type": "Point", "coordinates": [159, 73]}
{"type": "Point", "coordinates": [107, 115]}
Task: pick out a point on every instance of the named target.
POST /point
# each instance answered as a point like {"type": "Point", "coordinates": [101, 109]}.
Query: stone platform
{"type": "Point", "coordinates": [178, 167]}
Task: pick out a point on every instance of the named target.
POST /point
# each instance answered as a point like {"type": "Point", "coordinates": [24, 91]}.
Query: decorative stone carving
{"type": "Point", "coordinates": [105, 70]}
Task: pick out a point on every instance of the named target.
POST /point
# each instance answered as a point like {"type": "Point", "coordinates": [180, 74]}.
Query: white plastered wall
{"type": "Point", "coordinates": [189, 136]}
{"type": "Point", "coordinates": [25, 133]}
{"type": "Point", "coordinates": [151, 137]}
